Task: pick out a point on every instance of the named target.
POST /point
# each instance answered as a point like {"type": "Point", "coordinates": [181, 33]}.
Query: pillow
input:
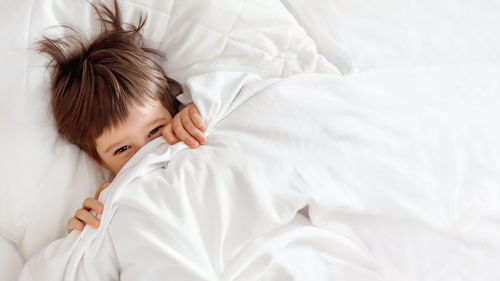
{"type": "Point", "coordinates": [360, 35]}
{"type": "Point", "coordinates": [201, 36]}
{"type": "Point", "coordinates": [46, 179]}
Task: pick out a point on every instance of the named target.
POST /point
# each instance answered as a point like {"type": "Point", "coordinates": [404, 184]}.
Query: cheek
{"type": "Point", "coordinates": [117, 163]}
{"type": "Point", "coordinates": [104, 162]}
{"type": "Point", "coordinates": [110, 163]}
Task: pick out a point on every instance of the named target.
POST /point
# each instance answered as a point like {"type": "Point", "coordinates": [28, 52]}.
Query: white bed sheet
{"type": "Point", "coordinates": [11, 260]}
{"type": "Point", "coordinates": [360, 35]}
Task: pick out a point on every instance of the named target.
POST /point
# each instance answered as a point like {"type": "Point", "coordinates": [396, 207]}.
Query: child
{"type": "Point", "coordinates": [111, 97]}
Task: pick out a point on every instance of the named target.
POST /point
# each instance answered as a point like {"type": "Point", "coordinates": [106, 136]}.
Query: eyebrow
{"type": "Point", "coordinates": [120, 141]}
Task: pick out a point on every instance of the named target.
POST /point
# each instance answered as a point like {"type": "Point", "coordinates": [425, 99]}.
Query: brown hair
{"type": "Point", "coordinates": [92, 85]}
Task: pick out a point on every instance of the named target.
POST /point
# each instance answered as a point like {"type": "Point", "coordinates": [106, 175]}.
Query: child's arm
{"type": "Point", "coordinates": [83, 215]}
{"type": "Point", "coordinates": [186, 126]}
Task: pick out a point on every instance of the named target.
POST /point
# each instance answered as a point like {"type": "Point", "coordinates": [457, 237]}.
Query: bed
{"type": "Point", "coordinates": [423, 197]}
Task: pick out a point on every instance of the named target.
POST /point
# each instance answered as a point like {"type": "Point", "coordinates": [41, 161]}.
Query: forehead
{"type": "Point", "coordinates": [139, 118]}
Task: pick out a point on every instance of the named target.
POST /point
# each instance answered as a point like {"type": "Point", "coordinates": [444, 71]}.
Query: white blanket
{"type": "Point", "coordinates": [399, 170]}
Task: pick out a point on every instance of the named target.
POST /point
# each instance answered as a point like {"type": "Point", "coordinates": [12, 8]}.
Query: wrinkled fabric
{"type": "Point", "coordinates": [399, 171]}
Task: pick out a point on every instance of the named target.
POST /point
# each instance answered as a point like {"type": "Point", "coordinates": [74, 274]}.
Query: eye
{"type": "Point", "coordinates": [122, 149]}
{"type": "Point", "coordinates": [154, 131]}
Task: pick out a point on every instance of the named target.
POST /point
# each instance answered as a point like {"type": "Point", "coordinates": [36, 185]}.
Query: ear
{"type": "Point", "coordinates": [174, 87]}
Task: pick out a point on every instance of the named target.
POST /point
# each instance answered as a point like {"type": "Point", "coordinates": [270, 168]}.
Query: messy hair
{"type": "Point", "coordinates": [94, 84]}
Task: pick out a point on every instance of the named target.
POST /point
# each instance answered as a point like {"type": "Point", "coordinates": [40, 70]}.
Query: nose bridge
{"type": "Point", "coordinates": [139, 140]}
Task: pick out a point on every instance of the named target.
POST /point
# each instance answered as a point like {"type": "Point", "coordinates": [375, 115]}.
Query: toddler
{"type": "Point", "coordinates": [110, 97]}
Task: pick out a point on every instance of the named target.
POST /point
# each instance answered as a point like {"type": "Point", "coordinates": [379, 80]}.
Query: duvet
{"type": "Point", "coordinates": [378, 176]}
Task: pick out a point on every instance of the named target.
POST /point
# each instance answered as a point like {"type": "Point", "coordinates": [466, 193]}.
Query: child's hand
{"type": "Point", "coordinates": [186, 126]}
{"type": "Point", "coordinates": [83, 215]}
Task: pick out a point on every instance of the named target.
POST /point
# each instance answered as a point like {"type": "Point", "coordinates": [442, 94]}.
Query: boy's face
{"type": "Point", "coordinates": [144, 123]}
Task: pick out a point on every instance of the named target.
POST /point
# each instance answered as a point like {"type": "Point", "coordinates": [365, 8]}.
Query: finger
{"type": "Point", "coordinates": [168, 135]}
{"type": "Point", "coordinates": [181, 133]}
{"type": "Point", "coordinates": [100, 189]}
{"type": "Point", "coordinates": [192, 129]}
{"type": "Point", "coordinates": [87, 218]}
{"type": "Point", "coordinates": [93, 204]}
{"type": "Point", "coordinates": [195, 116]}
{"type": "Point", "coordinates": [74, 223]}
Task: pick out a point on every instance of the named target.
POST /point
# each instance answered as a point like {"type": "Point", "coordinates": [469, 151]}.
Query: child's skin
{"type": "Point", "coordinates": [117, 145]}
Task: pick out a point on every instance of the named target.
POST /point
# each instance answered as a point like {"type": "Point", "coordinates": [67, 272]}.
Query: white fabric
{"type": "Point", "coordinates": [11, 261]}
{"type": "Point", "coordinates": [360, 35]}
{"type": "Point", "coordinates": [400, 170]}
{"type": "Point", "coordinates": [44, 180]}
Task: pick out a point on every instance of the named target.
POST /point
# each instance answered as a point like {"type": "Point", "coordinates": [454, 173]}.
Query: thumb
{"type": "Point", "coordinates": [101, 188]}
